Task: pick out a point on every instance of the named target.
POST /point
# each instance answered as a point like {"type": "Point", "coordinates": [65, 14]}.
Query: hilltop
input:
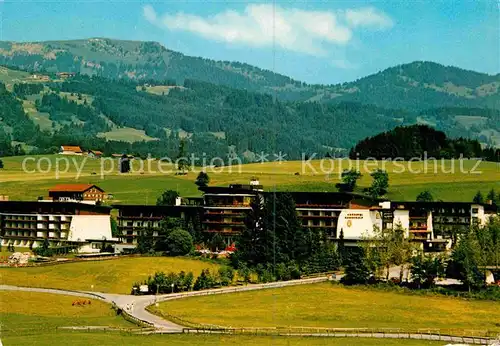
{"type": "Point", "coordinates": [416, 86]}
{"type": "Point", "coordinates": [134, 60]}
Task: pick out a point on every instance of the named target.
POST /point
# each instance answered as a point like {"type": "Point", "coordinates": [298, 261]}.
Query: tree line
{"type": "Point", "coordinates": [420, 141]}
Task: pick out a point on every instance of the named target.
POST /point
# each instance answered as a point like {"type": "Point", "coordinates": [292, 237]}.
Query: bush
{"type": "Point", "coordinates": [245, 273]}
{"type": "Point", "coordinates": [226, 275]}
{"type": "Point", "coordinates": [205, 281]}
{"type": "Point", "coordinates": [265, 274]}
{"type": "Point", "coordinates": [179, 242]}
{"type": "Point", "coordinates": [168, 283]}
{"type": "Point", "coordinates": [43, 250]}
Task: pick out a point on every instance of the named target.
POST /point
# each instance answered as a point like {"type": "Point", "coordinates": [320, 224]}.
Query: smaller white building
{"type": "Point", "coordinates": [79, 226]}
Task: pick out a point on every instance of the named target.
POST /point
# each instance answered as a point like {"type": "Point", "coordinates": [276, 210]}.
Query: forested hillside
{"type": "Point", "coordinates": [134, 60]}
{"type": "Point", "coordinates": [212, 118]}
{"type": "Point", "coordinates": [415, 86]}
{"type": "Point", "coordinates": [420, 141]}
{"type": "Point", "coordinates": [139, 97]}
{"type": "Point", "coordinates": [422, 85]}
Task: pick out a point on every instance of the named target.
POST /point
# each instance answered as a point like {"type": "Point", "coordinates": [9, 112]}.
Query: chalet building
{"type": "Point", "coordinates": [77, 226]}
{"type": "Point", "coordinates": [132, 219]}
{"type": "Point", "coordinates": [95, 154]}
{"type": "Point", "coordinates": [70, 150]}
{"type": "Point", "coordinates": [436, 225]}
{"type": "Point", "coordinates": [65, 75]}
{"type": "Point", "coordinates": [77, 192]}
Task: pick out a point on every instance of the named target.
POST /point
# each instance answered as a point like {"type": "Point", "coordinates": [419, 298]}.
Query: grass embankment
{"type": "Point", "coordinates": [335, 306]}
{"type": "Point", "coordinates": [113, 339]}
{"type": "Point", "coordinates": [143, 186]}
{"type": "Point", "coordinates": [33, 313]}
{"type": "Point", "coordinates": [110, 276]}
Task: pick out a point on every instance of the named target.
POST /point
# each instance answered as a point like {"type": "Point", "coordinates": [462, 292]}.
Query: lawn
{"type": "Point", "coordinates": [33, 313]}
{"type": "Point", "coordinates": [159, 89]}
{"type": "Point", "coordinates": [111, 276]}
{"type": "Point", "coordinates": [113, 339]}
{"type": "Point", "coordinates": [147, 182]}
{"type": "Point", "coordinates": [335, 306]}
{"type": "Point", "coordinates": [126, 134]}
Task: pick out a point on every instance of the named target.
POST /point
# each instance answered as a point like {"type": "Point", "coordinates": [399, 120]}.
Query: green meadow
{"type": "Point", "coordinates": [30, 318]}
{"type": "Point", "coordinates": [335, 306]}
{"type": "Point", "coordinates": [31, 312]}
{"type": "Point", "coordinates": [448, 181]}
{"type": "Point", "coordinates": [110, 276]}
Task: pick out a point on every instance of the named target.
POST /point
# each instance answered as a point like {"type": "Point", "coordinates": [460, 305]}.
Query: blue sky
{"type": "Point", "coordinates": [314, 41]}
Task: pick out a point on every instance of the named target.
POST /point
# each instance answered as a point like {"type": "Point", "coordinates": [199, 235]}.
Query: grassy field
{"type": "Point", "coordinates": [126, 134]}
{"type": "Point", "coordinates": [29, 318]}
{"type": "Point", "coordinates": [334, 306]}
{"type": "Point", "coordinates": [31, 312]}
{"type": "Point", "coordinates": [159, 89]}
{"type": "Point", "coordinates": [144, 184]}
{"type": "Point", "coordinates": [113, 339]}
{"type": "Point", "coordinates": [112, 276]}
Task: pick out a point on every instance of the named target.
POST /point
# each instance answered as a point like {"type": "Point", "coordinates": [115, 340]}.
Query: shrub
{"type": "Point", "coordinates": [179, 242]}
{"type": "Point", "coordinates": [226, 275]}
{"type": "Point", "coordinates": [168, 283]}
{"type": "Point", "coordinates": [205, 281]}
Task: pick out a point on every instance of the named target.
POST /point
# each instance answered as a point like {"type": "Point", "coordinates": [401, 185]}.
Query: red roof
{"type": "Point", "coordinates": [73, 188]}
{"type": "Point", "coordinates": [74, 148]}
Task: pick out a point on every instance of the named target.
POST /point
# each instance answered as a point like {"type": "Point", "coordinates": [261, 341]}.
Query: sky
{"type": "Point", "coordinates": [327, 41]}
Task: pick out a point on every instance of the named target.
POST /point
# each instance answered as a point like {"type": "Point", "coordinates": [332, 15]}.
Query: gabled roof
{"type": "Point", "coordinates": [73, 148]}
{"type": "Point", "coordinates": [73, 188]}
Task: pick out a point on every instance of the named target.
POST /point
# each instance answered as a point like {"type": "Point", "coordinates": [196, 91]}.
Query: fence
{"type": "Point", "coordinates": [466, 337]}
{"type": "Point", "coordinates": [130, 318]}
{"type": "Point", "coordinates": [251, 287]}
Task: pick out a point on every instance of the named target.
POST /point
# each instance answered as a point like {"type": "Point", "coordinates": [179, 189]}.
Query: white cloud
{"type": "Point", "coordinates": [265, 25]}
{"type": "Point", "coordinates": [368, 17]}
{"type": "Point", "coordinates": [149, 13]}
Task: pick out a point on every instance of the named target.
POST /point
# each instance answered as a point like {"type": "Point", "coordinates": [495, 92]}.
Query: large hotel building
{"type": "Point", "coordinates": [72, 218]}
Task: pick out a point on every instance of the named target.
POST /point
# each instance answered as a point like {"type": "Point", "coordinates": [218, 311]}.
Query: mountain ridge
{"type": "Point", "coordinates": [401, 86]}
{"type": "Point", "coordinates": [135, 91]}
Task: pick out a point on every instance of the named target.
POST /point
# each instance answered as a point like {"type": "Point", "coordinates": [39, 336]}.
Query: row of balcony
{"type": "Point", "coordinates": [234, 223]}
{"type": "Point", "coordinates": [306, 216]}
{"type": "Point", "coordinates": [140, 217]}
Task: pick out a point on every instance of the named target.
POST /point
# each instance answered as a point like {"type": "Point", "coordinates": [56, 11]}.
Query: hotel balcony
{"type": "Point", "coordinates": [419, 237]}
{"type": "Point", "coordinates": [223, 213]}
{"type": "Point", "coordinates": [228, 223]}
{"type": "Point", "coordinates": [140, 217]}
{"type": "Point", "coordinates": [318, 216]}
{"type": "Point", "coordinates": [229, 205]}
{"type": "Point", "coordinates": [20, 219]}
{"type": "Point", "coordinates": [222, 231]}
{"type": "Point", "coordinates": [319, 226]}
{"type": "Point", "coordinates": [313, 206]}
